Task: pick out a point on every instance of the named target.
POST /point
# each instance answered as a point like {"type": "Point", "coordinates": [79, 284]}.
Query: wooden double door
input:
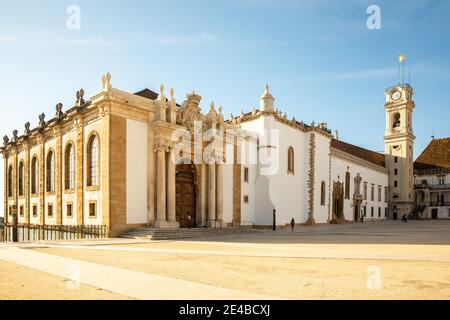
{"type": "Point", "coordinates": [185, 195]}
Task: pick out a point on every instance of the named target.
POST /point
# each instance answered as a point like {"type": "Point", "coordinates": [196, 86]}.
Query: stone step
{"type": "Point", "coordinates": [171, 234]}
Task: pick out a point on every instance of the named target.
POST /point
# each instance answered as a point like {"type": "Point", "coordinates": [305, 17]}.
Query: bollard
{"type": "Point", "coordinates": [274, 220]}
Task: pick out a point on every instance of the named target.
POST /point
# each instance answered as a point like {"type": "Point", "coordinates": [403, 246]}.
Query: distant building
{"type": "Point", "coordinates": [432, 181]}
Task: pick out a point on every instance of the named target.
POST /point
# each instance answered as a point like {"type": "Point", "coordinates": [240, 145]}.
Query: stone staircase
{"type": "Point", "coordinates": [175, 234]}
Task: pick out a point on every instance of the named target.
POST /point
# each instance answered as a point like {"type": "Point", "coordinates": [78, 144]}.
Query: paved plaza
{"type": "Point", "coordinates": [383, 260]}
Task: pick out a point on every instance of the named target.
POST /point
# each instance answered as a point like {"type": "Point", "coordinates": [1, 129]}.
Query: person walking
{"type": "Point", "coordinates": [292, 224]}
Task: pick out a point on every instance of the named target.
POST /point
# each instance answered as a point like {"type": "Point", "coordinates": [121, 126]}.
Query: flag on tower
{"type": "Point", "coordinates": [401, 58]}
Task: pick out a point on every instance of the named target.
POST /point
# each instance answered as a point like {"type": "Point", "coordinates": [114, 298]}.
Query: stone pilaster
{"type": "Point", "coordinates": [117, 175]}
{"type": "Point", "coordinates": [27, 182]}
{"type": "Point", "coordinates": [5, 187]}
{"type": "Point", "coordinates": [311, 178]}
{"type": "Point", "coordinates": [105, 165]}
{"type": "Point", "coordinates": [41, 142]}
{"type": "Point", "coordinates": [79, 163]}
{"type": "Point", "coordinates": [151, 178]}
{"type": "Point", "coordinates": [58, 175]}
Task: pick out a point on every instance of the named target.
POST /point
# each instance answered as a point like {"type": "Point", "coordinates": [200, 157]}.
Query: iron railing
{"type": "Point", "coordinates": [28, 233]}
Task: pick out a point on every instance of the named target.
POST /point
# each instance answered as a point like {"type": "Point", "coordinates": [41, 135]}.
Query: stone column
{"type": "Point", "coordinates": [171, 189]}
{"type": "Point", "coordinates": [219, 199]}
{"type": "Point", "coordinates": [211, 195]}
{"type": "Point", "coordinates": [161, 220]}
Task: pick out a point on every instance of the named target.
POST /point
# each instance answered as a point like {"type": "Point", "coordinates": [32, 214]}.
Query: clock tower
{"type": "Point", "coordinates": [399, 147]}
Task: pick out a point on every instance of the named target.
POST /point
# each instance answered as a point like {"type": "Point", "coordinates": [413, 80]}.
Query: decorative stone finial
{"type": "Point", "coordinates": [161, 89]}
{"type": "Point", "coordinates": [267, 100]}
{"type": "Point", "coordinates": [59, 112]}
{"type": "Point", "coordinates": [15, 136]}
{"type": "Point", "coordinates": [5, 140]}
{"type": "Point", "coordinates": [220, 109]}
{"type": "Point", "coordinates": [313, 124]}
{"type": "Point", "coordinates": [106, 82]}
{"type": "Point", "coordinates": [172, 94]}
{"type": "Point", "coordinates": [80, 97]}
{"type": "Point", "coordinates": [293, 119]}
{"type": "Point", "coordinates": [27, 128]}
{"type": "Point", "coordinates": [42, 120]}
{"type": "Point", "coordinates": [231, 117]}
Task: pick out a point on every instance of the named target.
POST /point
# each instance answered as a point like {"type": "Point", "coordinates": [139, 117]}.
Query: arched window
{"type": "Point", "coordinates": [93, 163]}
{"type": "Point", "coordinates": [291, 161]}
{"type": "Point", "coordinates": [69, 167]}
{"type": "Point", "coordinates": [34, 175]}
{"type": "Point", "coordinates": [10, 181]}
{"type": "Point", "coordinates": [396, 122]}
{"type": "Point", "coordinates": [50, 171]}
{"type": "Point", "coordinates": [322, 193]}
{"type": "Point", "coordinates": [347, 185]}
{"type": "Point", "coordinates": [21, 192]}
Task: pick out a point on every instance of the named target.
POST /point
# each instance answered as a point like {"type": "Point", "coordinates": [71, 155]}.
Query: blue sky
{"type": "Point", "coordinates": [320, 59]}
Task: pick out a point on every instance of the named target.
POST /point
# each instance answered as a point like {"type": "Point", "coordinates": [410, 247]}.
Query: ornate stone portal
{"type": "Point", "coordinates": [203, 204]}
{"type": "Point", "coordinates": [338, 202]}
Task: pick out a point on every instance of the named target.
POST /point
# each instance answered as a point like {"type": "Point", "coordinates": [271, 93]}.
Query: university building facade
{"type": "Point", "coordinates": [127, 160]}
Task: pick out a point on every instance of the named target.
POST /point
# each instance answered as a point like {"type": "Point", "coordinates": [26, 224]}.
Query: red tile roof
{"type": "Point", "coordinates": [147, 93]}
{"type": "Point", "coordinates": [435, 156]}
{"type": "Point", "coordinates": [368, 155]}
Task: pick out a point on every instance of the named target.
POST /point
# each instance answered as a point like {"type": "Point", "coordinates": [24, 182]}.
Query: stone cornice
{"type": "Point", "coordinates": [348, 157]}
{"type": "Point", "coordinates": [256, 114]}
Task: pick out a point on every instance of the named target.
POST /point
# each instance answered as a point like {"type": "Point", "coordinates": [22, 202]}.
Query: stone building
{"type": "Point", "coordinates": [432, 181]}
{"type": "Point", "coordinates": [128, 160]}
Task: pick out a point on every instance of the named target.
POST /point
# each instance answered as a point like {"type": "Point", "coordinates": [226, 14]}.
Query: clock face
{"type": "Point", "coordinates": [396, 96]}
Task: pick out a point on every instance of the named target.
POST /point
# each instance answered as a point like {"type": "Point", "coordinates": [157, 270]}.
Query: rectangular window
{"type": "Point", "coordinates": [246, 199]}
{"type": "Point", "coordinates": [371, 212]}
{"type": "Point", "coordinates": [396, 172]}
{"type": "Point", "coordinates": [372, 193]}
{"type": "Point", "coordinates": [385, 212]}
{"type": "Point", "coordinates": [396, 159]}
{"type": "Point", "coordinates": [365, 211]}
{"type": "Point", "coordinates": [50, 210]}
{"type": "Point", "coordinates": [69, 210]}
{"type": "Point", "coordinates": [35, 210]}
{"type": "Point", "coordinates": [379, 212]}
{"type": "Point", "coordinates": [395, 184]}
{"type": "Point", "coordinates": [21, 211]}
{"type": "Point", "coordinates": [246, 175]}
{"type": "Point", "coordinates": [10, 210]}
{"type": "Point", "coordinates": [92, 209]}
{"type": "Point", "coordinates": [379, 193]}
